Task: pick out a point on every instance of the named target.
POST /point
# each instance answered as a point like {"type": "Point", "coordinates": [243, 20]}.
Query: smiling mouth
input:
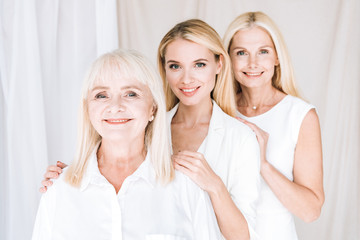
{"type": "Point", "coordinates": [189, 90]}
{"type": "Point", "coordinates": [253, 74]}
{"type": "Point", "coordinates": [117, 121]}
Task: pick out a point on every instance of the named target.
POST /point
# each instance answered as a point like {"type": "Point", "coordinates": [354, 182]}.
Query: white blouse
{"type": "Point", "coordinates": [232, 151]}
{"type": "Point", "coordinates": [282, 122]}
{"type": "Point", "coordinates": [142, 209]}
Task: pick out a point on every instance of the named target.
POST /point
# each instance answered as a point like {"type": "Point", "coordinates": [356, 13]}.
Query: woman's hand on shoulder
{"type": "Point", "coordinates": [195, 166]}
{"type": "Point", "coordinates": [261, 136]}
{"type": "Point", "coordinates": [52, 172]}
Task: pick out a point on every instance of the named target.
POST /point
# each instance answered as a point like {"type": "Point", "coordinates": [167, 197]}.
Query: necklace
{"type": "Point", "coordinates": [254, 107]}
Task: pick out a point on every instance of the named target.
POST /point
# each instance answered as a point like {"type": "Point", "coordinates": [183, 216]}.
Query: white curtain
{"type": "Point", "coordinates": [46, 46]}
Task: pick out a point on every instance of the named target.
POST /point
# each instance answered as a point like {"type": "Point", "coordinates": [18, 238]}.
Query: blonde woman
{"type": "Point", "coordinates": [216, 151]}
{"type": "Point", "coordinates": [122, 184]}
{"type": "Point", "coordinates": [287, 127]}
{"type": "Point", "coordinates": [209, 146]}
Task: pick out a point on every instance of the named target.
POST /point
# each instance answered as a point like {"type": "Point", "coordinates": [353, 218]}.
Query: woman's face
{"type": "Point", "coordinates": [253, 57]}
{"type": "Point", "coordinates": [190, 71]}
{"type": "Point", "coordinates": [120, 109]}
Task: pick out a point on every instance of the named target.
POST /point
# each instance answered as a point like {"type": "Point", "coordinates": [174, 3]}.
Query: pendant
{"type": "Point", "coordinates": [254, 107]}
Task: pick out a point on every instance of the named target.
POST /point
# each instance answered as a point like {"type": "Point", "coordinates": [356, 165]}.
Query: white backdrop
{"type": "Point", "coordinates": [46, 46]}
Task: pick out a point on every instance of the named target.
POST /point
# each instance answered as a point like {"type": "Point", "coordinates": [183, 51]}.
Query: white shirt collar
{"type": "Point", "coordinates": [92, 174]}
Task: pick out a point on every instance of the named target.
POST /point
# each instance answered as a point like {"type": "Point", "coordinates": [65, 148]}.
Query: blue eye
{"type": "Point", "coordinates": [131, 94]}
{"type": "Point", "coordinates": [240, 53]}
{"type": "Point", "coordinates": [264, 51]}
{"type": "Point", "coordinates": [199, 65]}
{"type": "Point", "coordinates": [100, 96]}
{"type": "Point", "coordinates": [174, 66]}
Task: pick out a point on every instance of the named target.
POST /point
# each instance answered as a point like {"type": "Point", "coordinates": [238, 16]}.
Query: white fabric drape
{"type": "Point", "coordinates": [46, 46]}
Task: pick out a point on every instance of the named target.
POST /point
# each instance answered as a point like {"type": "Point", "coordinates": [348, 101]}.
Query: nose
{"type": "Point", "coordinates": [187, 76]}
{"type": "Point", "coordinates": [116, 105]}
{"type": "Point", "coordinates": [252, 61]}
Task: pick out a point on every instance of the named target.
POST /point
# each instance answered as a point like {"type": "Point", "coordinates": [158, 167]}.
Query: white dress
{"type": "Point", "coordinates": [142, 209]}
{"type": "Point", "coordinates": [232, 151]}
{"type": "Point", "coordinates": [282, 122]}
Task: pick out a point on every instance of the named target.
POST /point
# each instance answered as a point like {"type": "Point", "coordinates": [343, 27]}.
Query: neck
{"type": "Point", "coordinates": [257, 97]}
{"type": "Point", "coordinates": [124, 154]}
{"type": "Point", "coordinates": [194, 114]}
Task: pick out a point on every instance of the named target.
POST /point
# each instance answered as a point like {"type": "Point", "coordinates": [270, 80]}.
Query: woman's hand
{"type": "Point", "coordinates": [195, 166]}
{"type": "Point", "coordinates": [52, 172]}
{"type": "Point", "coordinates": [261, 136]}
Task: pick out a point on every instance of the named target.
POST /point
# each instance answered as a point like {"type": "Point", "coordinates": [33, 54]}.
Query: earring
{"type": "Point", "coordinates": [151, 118]}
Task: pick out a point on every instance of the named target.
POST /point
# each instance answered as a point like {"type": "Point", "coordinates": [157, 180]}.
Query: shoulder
{"type": "Point", "coordinates": [295, 109]}
{"type": "Point", "coordinates": [300, 112]}
{"type": "Point", "coordinates": [61, 187]}
{"type": "Point", "coordinates": [50, 198]}
{"type": "Point", "coordinates": [310, 121]}
{"type": "Point", "coordinates": [231, 125]}
{"type": "Point", "coordinates": [237, 141]}
{"type": "Point", "coordinates": [297, 104]}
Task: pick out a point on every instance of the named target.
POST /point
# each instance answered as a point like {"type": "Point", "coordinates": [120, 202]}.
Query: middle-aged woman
{"type": "Point", "coordinates": [122, 184]}
{"type": "Point", "coordinates": [287, 127]}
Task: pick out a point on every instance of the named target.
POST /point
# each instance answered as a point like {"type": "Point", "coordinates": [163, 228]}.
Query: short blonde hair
{"type": "Point", "coordinates": [130, 64]}
{"type": "Point", "coordinates": [199, 32]}
{"type": "Point", "coordinates": [283, 78]}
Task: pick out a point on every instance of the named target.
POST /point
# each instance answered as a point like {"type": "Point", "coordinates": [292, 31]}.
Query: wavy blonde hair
{"type": "Point", "coordinates": [199, 32]}
{"type": "Point", "coordinates": [130, 64]}
{"type": "Point", "coordinates": [283, 79]}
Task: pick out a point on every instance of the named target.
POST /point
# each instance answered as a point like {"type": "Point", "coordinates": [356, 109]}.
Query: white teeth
{"type": "Point", "coordinates": [117, 121]}
{"type": "Point", "coordinates": [253, 74]}
{"type": "Point", "coordinates": [188, 90]}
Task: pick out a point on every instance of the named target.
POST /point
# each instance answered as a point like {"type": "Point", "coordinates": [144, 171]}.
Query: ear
{"type": "Point", "coordinates": [219, 64]}
{"type": "Point", "coordinates": [153, 111]}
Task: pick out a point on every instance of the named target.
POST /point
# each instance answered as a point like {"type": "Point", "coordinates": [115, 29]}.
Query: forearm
{"type": "Point", "coordinates": [232, 222]}
{"type": "Point", "coordinates": [298, 199]}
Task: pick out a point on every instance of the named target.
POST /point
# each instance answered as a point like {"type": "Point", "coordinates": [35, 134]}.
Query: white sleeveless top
{"type": "Point", "coordinates": [282, 122]}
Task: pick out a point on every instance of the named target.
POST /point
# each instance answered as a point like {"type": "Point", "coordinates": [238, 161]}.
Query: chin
{"type": "Point", "coordinates": [115, 137]}
{"type": "Point", "coordinates": [189, 102]}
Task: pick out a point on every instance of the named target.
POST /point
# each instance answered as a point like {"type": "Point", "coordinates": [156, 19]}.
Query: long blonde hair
{"type": "Point", "coordinates": [283, 79]}
{"type": "Point", "coordinates": [110, 66]}
{"type": "Point", "coordinates": [198, 31]}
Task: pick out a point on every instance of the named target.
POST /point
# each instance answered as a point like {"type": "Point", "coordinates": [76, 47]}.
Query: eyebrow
{"type": "Point", "coordinates": [201, 60]}
{"type": "Point", "coordinates": [132, 87]}
{"type": "Point", "coordinates": [197, 60]}
{"type": "Point", "coordinates": [172, 61]}
{"type": "Point", "coordinates": [123, 88]}
{"type": "Point", "coordinates": [98, 88]}
{"type": "Point", "coordinates": [264, 46]}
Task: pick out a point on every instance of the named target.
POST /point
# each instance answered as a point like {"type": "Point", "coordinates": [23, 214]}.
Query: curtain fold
{"type": "Point", "coordinates": [46, 48]}
{"type": "Point", "coordinates": [25, 141]}
{"type": "Point", "coordinates": [341, 129]}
